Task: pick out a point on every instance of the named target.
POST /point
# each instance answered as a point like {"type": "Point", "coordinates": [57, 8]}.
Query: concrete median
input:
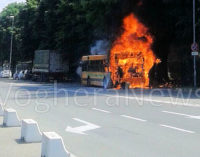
{"type": "Point", "coordinates": [1, 110]}
{"type": "Point", "coordinates": [10, 118]}
{"type": "Point", "coordinates": [53, 145]}
{"type": "Point", "coordinates": [30, 131]}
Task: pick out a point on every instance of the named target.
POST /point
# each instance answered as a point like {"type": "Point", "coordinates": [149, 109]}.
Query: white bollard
{"type": "Point", "coordinates": [1, 110]}
{"type": "Point", "coordinates": [10, 118]}
{"type": "Point", "coordinates": [53, 146]}
{"type": "Point", "coordinates": [30, 131]}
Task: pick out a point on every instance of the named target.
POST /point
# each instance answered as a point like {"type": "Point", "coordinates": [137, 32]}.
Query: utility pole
{"type": "Point", "coordinates": [11, 44]}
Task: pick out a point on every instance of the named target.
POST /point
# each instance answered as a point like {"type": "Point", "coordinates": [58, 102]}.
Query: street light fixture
{"type": "Point", "coordinates": [11, 43]}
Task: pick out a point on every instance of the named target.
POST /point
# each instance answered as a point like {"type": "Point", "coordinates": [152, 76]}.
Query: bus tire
{"type": "Point", "coordinates": [107, 83]}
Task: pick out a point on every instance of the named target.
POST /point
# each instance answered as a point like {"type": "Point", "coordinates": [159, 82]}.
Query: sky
{"type": "Point", "coordinates": [4, 3]}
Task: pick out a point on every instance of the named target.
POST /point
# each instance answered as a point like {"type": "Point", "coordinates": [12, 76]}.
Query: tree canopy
{"type": "Point", "coordinates": [74, 25]}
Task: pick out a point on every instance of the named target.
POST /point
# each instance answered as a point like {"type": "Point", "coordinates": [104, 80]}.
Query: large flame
{"type": "Point", "coordinates": [131, 57]}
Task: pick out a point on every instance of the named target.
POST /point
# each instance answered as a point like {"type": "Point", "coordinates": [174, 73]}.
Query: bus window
{"type": "Point", "coordinates": [94, 66]}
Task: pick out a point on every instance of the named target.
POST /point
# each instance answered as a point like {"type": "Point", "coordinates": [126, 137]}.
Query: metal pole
{"type": "Point", "coordinates": [11, 44]}
{"type": "Point", "coordinates": [194, 41]}
{"type": "Point", "coordinates": [194, 23]}
{"type": "Point", "coordinates": [195, 73]}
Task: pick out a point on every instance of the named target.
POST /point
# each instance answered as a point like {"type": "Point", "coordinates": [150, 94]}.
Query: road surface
{"type": "Point", "coordinates": [110, 123]}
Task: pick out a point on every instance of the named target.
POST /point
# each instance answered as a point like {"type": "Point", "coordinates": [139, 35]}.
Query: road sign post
{"type": "Point", "coordinates": [195, 73]}
{"type": "Point", "coordinates": [194, 45]}
{"type": "Point", "coordinates": [194, 54]}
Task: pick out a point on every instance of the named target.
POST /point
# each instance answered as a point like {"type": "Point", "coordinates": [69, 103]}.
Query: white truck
{"type": "Point", "coordinates": [49, 64]}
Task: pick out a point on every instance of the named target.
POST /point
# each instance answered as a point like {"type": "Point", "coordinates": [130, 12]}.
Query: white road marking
{"type": "Point", "coordinates": [82, 129]}
{"type": "Point", "coordinates": [194, 117]}
{"type": "Point", "coordinates": [179, 129]}
{"type": "Point", "coordinates": [96, 109]}
{"type": "Point", "coordinates": [175, 113]}
{"type": "Point", "coordinates": [138, 99]}
{"type": "Point", "coordinates": [159, 101]}
{"type": "Point", "coordinates": [31, 84]}
{"type": "Point", "coordinates": [182, 114]}
{"type": "Point", "coordinates": [134, 118]}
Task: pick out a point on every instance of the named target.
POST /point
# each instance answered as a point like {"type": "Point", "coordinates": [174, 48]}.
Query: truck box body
{"type": "Point", "coordinates": [49, 64]}
{"type": "Point", "coordinates": [49, 61]}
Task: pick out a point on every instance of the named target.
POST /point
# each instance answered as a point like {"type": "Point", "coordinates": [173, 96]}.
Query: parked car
{"type": "Point", "coordinates": [23, 70]}
{"type": "Point", "coordinates": [5, 74]}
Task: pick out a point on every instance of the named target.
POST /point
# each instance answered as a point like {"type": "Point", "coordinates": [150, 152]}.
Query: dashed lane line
{"type": "Point", "coordinates": [100, 110]}
{"type": "Point", "coordinates": [176, 113]}
{"type": "Point", "coordinates": [178, 129]}
{"type": "Point", "coordinates": [134, 118]}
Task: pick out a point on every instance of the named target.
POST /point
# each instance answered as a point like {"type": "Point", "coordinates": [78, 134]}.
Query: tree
{"type": "Point", "coordinates": [6, 29]}
{"type": "Point", "coordinates": [74, 25]}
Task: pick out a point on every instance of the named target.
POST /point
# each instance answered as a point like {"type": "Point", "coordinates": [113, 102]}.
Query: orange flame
{"type": "Point", "coordinates": [131, 57]}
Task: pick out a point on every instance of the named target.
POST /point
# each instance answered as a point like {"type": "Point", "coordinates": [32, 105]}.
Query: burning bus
{"type": "Point", "coordinates": [96, 71]}
{"type": "Point", "coordinates": [129, 61]}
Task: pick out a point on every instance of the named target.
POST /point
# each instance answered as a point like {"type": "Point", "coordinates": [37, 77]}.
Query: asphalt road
{"type": "Point", "coordinates": [111, 123]}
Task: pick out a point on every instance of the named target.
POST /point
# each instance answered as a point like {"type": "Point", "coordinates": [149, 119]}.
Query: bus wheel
{"type": "Point", "coordinates": [107, 83]}
{"type": "Point", "coordinates": [125, 85]}
{"type": "Point", "coordinates": [88, 81]}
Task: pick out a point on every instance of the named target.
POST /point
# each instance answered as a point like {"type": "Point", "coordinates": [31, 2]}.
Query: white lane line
{"type": "Point", "coordinates": [31, 84]}
{"type": "Point", "coordinates": [136, 98]}
{"type": "Point", "coordinates": [179, 129]}
{"type": "Point", "coordinates": [134, 118]}
{"type": "Point", "coordinates": [175, 113]}
{"type": "Point", "coordinates": [96, 109]}
{"type": "Point", "coordinates": [181, 114]}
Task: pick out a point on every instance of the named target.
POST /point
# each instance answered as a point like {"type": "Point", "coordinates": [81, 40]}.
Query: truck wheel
{"type": "Point", "coordinates": [44, 78]}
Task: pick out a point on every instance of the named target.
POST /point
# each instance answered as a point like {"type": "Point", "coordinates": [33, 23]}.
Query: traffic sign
{"type": "Point", "coordinates": [195, 47]}
{"type": "Point", "coordinates": [195, 53]}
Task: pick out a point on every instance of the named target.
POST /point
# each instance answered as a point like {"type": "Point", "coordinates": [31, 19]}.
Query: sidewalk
{"type": "Point", "coordinates": [11, 146]}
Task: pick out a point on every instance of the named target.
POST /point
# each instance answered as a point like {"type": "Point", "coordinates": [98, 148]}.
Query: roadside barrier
{"type": "Point", "coordinates": [1, 110]}
{"type": "Point", "coordinates": [53, 145]}
{"type": "Point", "coordinates": [30, 131]}
{"type": "Point", "coordinates": [10, 118]}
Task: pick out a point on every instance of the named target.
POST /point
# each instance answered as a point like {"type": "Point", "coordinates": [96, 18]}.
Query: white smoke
{"type": "Point", "coordinates": [101, 47]}
{"type": "Point", "coordinates": [79, 71]}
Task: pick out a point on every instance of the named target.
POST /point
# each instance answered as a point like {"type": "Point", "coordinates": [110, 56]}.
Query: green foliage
{"type": "Point", "coordinates": [6, 29]}
{"type": "Point", "coordinates": [73, 25]}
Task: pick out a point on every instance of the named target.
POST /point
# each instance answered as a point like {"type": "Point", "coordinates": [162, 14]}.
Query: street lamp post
{"type": "Point", "coordinates": [11, 43]}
